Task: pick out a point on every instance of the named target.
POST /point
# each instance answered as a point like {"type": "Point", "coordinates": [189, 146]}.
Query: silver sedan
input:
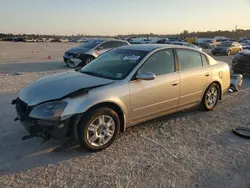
{"type": "Point", "coordinates": [119, 89]}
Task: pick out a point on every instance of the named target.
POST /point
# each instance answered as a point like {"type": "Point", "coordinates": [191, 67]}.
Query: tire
{"type": "Point", "coordinates": [210, 103]}
{"type": "Point", "coordinates": [214, 54]}
{"type": "Point", "coordinates": [70, 64]}
{"type": "Point", "coordinates": [88, 59]}
{"type": "Point", "coordinates": [91, 129]}
{"type": "Point", "coordinates": [229, 52]}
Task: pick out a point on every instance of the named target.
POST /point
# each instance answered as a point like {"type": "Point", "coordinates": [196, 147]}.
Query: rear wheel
{"type": "Point", "coordinates": [211, 97]}
{"type": "Point", "coordinates": [98, 129]}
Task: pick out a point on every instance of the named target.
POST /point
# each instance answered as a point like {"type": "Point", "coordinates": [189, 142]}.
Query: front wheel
{"type": "Point", "coordinates": [211, 97]}
{"type": "Point", "coordinates": [98, 129]}
{"type": "Point", "coordinates": [88, 60]}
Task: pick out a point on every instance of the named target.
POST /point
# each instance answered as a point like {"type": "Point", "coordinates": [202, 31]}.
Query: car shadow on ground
{"type": "Point", "coordinates": [31, 67]}
{"type": "Point", "coordinates": [22, 155]}
{"type": "Point", "coordinates": [16, 154]}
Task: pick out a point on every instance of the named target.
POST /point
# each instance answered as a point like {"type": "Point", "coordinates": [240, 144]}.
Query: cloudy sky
{"type": "Point", "coordinates": [110, 17]}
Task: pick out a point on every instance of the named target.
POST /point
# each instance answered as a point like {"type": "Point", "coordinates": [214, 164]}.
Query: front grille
{"type": "Point", "coordinates": [22, 108]}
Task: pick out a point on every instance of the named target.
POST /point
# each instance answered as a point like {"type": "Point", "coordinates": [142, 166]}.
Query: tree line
{"type": "Point", "coordinates": [235, 34]}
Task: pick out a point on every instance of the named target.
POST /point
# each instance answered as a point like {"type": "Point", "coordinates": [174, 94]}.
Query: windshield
{"type": "Point", "coordinates": [115, 64]}
{"type": "Point", "coordinates": [226, 43]}
{"type": "Point", "coordinates": [91, 44]}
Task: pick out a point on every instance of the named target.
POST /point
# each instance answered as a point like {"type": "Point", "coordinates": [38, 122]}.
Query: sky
{"type": "Point", "coordinates": [112, 17]}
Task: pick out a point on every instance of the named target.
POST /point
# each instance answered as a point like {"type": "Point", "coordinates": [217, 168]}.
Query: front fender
{"type": "Point", "coordinates": [116, 94]}
{"type": "Point", "coordinates": [95, 55]}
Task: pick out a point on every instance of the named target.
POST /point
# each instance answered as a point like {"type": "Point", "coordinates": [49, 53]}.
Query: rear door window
{"type": "Point", "coordinates": [189, 59]}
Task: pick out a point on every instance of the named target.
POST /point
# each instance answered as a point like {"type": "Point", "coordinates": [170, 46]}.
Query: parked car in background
{"type": "Point", "coordinates": [246, 45]}
{"type": "Point", "coordinates": [19, 39]}
{"type": "Point", "coordinates": [85, 53]}
{"type": "Point", "coordinates": [175, 39]}
{"type": "Point", "coordinates": [136, 40]}
{"type": "Point", "coordinates": [187, 45]}
{"type": "Point", "coordinates": [163, 41]}
{"type": "Point", "coordinates": [150, 40]}
{"type": "Point", "coordinates": [227, 48]}
{"type": "Point", "coordinates": [64, 40]}
{"type": "Point", "coordinates": [241, 62]}
{"type": "Point", "coordinates": [30, 40]}
{"type": "Point", "coordinates": [209, 43]}
{"type": "Point", "coordinates": [72, 40]}
{"type": "Point", "coordinates": [55, 40]}
{"type": "Point", "coordinates": [121, 88]}
{"type": "Point", "coordinates": [191, 40]}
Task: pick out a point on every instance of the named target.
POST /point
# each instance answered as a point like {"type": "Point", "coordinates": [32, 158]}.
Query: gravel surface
{"type": "Point", "coordinates": [189, 149]}
{"type": "Point", "coordinates": [13, 82]}
{"type": "Point", "coordinates": [16, 52]}
{"type": "Point", "coordinates": [192, 148]}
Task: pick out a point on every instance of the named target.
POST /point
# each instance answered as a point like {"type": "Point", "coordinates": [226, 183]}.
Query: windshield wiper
{"type": "Point", "coordinates": [93, 74]}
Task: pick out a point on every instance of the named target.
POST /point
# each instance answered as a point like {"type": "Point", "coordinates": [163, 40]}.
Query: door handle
{"type": "Point", "coordinates": [175, 83]}
{"type": "Point", "coordinates": [207, 74]}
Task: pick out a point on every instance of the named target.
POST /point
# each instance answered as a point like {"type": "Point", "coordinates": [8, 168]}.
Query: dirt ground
{"type": "Point", "coordinates": [191, 148]}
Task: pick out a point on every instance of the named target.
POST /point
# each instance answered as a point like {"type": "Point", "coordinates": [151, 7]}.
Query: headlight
{"type": "Point", "coordinates": [49, 110]}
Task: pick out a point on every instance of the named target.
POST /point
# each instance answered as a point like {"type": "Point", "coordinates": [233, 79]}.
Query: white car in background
{"type": "Point", "coordinates": [137, 40]}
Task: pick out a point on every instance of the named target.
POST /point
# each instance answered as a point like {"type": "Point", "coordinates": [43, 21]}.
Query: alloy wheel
{"type": "Point", "coordinates": [212, 97]}
{"type": "Point", "coordinates": [101, 130]}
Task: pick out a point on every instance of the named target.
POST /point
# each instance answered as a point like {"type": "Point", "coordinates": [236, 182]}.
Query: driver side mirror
{"type": "Point", "coordinates": [146, 76]}
{"type": "Point", "coordinates": [99, 48]}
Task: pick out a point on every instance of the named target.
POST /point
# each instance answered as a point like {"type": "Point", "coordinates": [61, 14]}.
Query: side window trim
{"type": "Point", "coordinates": [203, 64]}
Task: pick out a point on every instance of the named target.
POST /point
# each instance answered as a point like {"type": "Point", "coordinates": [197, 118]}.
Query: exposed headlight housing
{"type": "Point", "coordinates": [49, 111]}
{"type": "Point", "coordinates": [77, 55]}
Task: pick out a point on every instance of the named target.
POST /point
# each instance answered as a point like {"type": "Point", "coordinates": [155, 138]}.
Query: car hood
{"type": "Point", "coordinates": [245, 52]}
{"type": "Point", "coordinates": [78, 50]}
{"type": "Point", "coordinates": [246, 45]}
{"type": "Point", "coordinates": [59, 86]}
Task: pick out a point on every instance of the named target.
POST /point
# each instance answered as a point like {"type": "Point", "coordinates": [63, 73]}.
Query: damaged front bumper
{"type": "Point", "coordinates": [58, 129]}
{"type": "Point", "coordinates": [46, 129]}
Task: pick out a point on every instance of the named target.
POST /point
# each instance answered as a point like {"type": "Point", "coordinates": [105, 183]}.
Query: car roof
{"type": "Point", "coordinates": [109, 39]}
{"type": "Point", "coordinates": [151, 47]}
